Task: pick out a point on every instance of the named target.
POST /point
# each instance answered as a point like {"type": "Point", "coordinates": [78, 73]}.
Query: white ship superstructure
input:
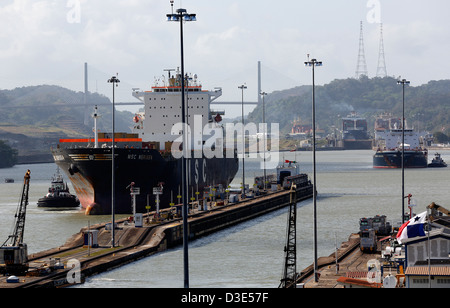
{"type": "Point", "coordinates": [393, 139]}
{"type": "Point", "coordinates": [163, 111]}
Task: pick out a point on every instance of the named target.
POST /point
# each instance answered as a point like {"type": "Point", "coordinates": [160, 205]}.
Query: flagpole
{"type": "Point", "coordinates": [429, 251]}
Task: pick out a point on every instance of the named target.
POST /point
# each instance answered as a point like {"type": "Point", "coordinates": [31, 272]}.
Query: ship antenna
{"type": "Point", "coordinates": [95, 116]}
{"type": "Point", "coordinates": [169, 70]}
{"type": "Point", "coordinates": [171, 3]}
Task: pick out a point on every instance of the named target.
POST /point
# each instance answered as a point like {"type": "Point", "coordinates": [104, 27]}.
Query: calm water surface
{"type": "Point", "coordinates": [250, 254]}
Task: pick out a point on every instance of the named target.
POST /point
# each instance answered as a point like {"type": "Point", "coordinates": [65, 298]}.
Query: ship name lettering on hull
{"type": "Point", "coordinates": [196, 172]}
{"type": "Point", "coordinates": [139, 157]}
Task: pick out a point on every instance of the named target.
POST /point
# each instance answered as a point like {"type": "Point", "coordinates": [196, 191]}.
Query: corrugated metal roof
{"type": "Point", "coordinates": [423, 270]}
{"type": "Point", "coordinates": [358, 282]}
{"type": "Point", "coordinates": [360, 275]}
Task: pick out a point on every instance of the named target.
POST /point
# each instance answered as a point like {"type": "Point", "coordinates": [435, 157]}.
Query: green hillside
{"type": "Point", "coordinates": [54, 106]}
{"type": "Point", "coordinates": [32, 119]}
{"type": "Point", "coordinates": [427, 106]}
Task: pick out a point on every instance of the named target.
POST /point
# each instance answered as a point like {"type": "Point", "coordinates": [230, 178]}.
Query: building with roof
{"type": "Point", "coordinates": [428, 260]}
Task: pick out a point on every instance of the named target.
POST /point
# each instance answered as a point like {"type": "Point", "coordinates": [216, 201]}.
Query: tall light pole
{"type": "Point", "coordinates": [313, 63]}
{"type": "Point", "coordinates": [114, 80]}
{"type": "Point", "coordinates": [243, 87]}
{"type": "Point", "coordinates": [403, 82]}
{"type": "Point", "coordinates": [263, 94]}
{"type": "Point", "coordinates": [182, 16]}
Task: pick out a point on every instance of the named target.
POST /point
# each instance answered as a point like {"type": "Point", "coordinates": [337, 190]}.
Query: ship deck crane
{"type": "Point", "coordinates": [14, 252]}
{"type": "Point", "coordinates": [290, 266]}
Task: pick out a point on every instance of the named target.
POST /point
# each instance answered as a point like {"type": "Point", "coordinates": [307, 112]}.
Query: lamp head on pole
{"type": "Point", "coordinates": [181, 15]}
{"type": "Point", "coordinates": [313, 62]}
{"type": "Point", "coordinates": [403, 82]}
{"type": "Point", "coordinates": [114, 80]}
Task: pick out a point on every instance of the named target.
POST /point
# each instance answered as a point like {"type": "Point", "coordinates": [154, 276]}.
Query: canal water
{"type": "Point", "coordinates": [250, 254]}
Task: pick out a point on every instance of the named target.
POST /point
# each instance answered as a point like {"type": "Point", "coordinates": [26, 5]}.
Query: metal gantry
{"type": "Point", "coordinates": [290, 250]}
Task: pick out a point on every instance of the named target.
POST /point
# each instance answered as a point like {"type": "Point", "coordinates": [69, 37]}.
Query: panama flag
{"type": "Point", "coordinates": [412, 228]}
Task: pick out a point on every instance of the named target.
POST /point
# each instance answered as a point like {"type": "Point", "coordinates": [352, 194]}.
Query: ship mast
{"type": "Point", "coordinates": [95, 115]}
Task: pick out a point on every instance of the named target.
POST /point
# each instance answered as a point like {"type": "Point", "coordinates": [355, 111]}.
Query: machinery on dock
{"type": "Point", "coordinates": [437, 208]}
{"type": "Point", "coordinates": [378, 223]}
{"type": "Point", "coordinates": [290, 264]}
{"type": "Point", "coordinates": [299, 180]}
{"type": "Point", "coordinates": [14, 255]}
{"type": "Point", "coordinates": [370, 229]}
{"type": "Point", "coordinates": [368, 240]}
{"type": "Point", "coordinates": [439, 215]}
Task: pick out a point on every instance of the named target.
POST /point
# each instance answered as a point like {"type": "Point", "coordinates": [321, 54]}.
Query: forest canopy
{"type": "Point", "coordinates": [427, 107]}
{"type": "Point", "coordinates": [8, 155]}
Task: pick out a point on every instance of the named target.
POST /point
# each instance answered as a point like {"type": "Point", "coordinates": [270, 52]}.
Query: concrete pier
{"type": "Point", "coordinates": [135, 243]}
{"type": "Point", "coordinates": [353, 268]}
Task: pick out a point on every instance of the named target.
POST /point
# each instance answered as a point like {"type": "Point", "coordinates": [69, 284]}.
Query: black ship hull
{"type": "Point", "coordinates": [59, 202]}
{"type": "Point", "coordinates": [356, 140]}
{"type": "Point", "coordinates": [437, 165]}
{"type": "Point", "coordinates": [89, 170]}
{"type": "Point", "coordinates": [393, 159]}
{"type": "Point", "coordinates": [357, 144]}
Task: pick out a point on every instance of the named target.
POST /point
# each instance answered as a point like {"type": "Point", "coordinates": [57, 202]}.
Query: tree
{"type": "Point", "coordinates": [440, 137]}
{"type": "Point", "coordinates": [8, 155]}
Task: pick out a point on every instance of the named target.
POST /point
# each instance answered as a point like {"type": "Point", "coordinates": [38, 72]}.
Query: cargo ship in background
{"type": "Point", "coordinates": [145, 158]}
{"type": "Point", "coordinates": [355, 135]}
{"type": "Point", "coordinates": [389, 145]}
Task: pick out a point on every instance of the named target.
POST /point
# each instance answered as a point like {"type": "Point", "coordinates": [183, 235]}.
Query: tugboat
{"type": "Point", "coordinates": [58, 195]}
{"type": "Point", "coordinates": [437, 162]}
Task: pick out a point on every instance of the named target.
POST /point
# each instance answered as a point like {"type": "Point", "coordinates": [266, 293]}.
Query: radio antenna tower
{"type": "Point", "coordinates": [361, 68]}
{"type": "Point", "coordinates": [381, 70]}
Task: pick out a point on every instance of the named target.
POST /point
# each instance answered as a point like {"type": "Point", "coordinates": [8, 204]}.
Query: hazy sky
{"type": "Point", "coordinates": [48, 41]}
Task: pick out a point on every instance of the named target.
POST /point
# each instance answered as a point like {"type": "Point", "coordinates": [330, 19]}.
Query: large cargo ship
{"type": "Point", "coordinates": [388, 137]}
{"type": "Point", "coordinates": [354, 133]}
{"type": "Point", "coordinates": [150, 157]}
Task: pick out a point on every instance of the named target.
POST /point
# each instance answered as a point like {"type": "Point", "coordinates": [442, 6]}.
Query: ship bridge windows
{"type": "Point", "coordinates": [175, 89]}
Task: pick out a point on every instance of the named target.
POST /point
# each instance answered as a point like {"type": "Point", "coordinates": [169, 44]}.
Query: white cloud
{"type": "Point", "coordinates": [207, 44]}
{"type": "Point", "coordinates": [38, 44]}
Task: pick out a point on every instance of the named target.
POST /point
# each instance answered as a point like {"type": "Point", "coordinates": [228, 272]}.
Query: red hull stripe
{"type": "Point", "coordinates": [100, 140]}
